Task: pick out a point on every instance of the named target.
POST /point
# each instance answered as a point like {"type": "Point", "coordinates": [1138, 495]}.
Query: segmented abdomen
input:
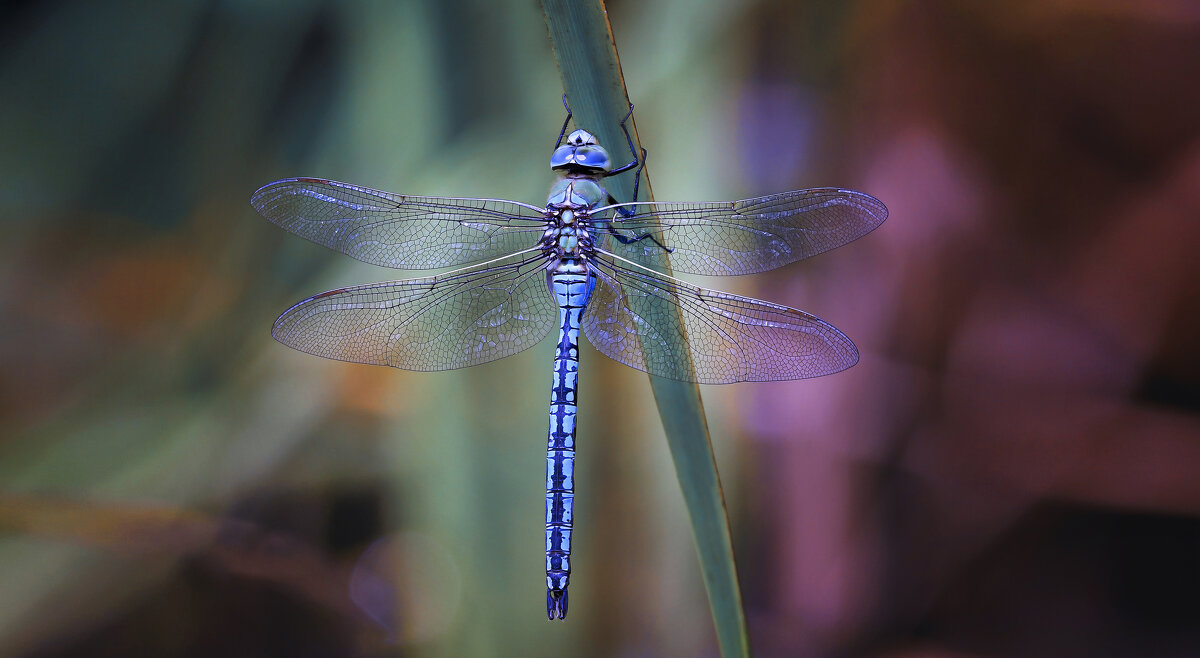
{"type": "Point", "coordinates": [571, 290]}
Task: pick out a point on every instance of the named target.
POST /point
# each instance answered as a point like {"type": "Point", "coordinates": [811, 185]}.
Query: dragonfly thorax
{"type": "Point", "coordinates": [573, 192]}
{"type": "Point", "coordinates": [567, 235]}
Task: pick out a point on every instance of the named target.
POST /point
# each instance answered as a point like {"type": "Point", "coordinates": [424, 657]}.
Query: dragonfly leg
{"type": "Point", "coordinates": [636, 162]}
{"type": "Point", "coordinates": [640, 163]}
{"type": "Point", "coordinates": [637, 179]}
{"type": "Point", "coordinates": [565, 122]}
{"type": "Point", "coordinates": [645, 236]}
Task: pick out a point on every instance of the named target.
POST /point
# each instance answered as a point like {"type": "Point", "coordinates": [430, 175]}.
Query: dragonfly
{"type": "Point", "coordinates": [571, 265]}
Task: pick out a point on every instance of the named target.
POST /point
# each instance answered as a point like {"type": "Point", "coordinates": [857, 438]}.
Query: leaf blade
{"type": "Point", "coordinates": [585, 50]}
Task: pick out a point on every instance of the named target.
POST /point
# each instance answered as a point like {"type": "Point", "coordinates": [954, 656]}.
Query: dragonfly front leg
{"type": "Point", "coordinates": [565, 122]}
{"type": "Point", "coordinates": [640, 163]}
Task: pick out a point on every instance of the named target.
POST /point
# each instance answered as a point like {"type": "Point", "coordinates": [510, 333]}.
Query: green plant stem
{"type": "Point", "coordinates": [583, 45]}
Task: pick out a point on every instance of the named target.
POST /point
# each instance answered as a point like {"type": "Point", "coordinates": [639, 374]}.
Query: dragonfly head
{"type": "Point", "coordinates": [581, 152]}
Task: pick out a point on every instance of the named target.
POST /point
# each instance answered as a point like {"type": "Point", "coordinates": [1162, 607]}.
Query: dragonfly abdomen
{"type": "Point", "coordinates": [571, 290]}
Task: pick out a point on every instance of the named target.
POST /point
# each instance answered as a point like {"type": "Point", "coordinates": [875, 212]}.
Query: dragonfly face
{"type": "Point", "coordinates": [571, 265]}
{"type": "Point", "coordinates": [581, 152]}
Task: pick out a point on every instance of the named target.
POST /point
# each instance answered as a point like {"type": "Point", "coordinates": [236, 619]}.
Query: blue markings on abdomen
{"type": "Point", "coordinates": [571, 290]}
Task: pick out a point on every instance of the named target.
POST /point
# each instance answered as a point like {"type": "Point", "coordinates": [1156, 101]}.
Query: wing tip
{"type": "Point", "coordinates": [872, 206]}
{"type": "Point", "coordinates": [289, 331]}
{"type": "Point", "coordinates": [881, 210]}
{"type": "Point", "coordinates": [852, 356]}
{"type": "Point", "coordinates": [262, 198]}
{"type": "Point", "coordinates": [877, 209]}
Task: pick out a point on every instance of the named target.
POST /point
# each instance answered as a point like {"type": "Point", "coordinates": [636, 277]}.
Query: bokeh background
{"type": "Point", "coordinates": [1013, 469]}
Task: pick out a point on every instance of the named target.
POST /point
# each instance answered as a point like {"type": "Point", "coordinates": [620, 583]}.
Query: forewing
{"type": "Point", "coordinates": [658, 324]}
{"type": "Point", "coordinates": [743, 237]}
{"type": "Point", "coordinates": [393, 230]}
{"type": "Point", "coordinates": [458, 319]}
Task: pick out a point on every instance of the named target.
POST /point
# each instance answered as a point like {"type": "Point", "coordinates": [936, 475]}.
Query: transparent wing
{"type": "Point", "coordinates": [744, 237]}
{"type": "Point", "coordinates": [634, 316]}
{"type": "Point", "coordinates": [458, 319]}
{"type": "Point", "coordinates": [393, 230]}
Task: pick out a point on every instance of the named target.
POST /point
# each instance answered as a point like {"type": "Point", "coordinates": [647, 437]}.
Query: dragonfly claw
{"type": "Point", "coordinates": [556, 603]}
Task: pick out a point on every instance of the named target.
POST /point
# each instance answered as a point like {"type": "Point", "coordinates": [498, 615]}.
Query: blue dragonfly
{"type": "Point", "coordinates": [571, 265]}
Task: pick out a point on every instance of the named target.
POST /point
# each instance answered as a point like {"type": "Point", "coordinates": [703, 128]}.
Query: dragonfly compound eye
{"type": "Point", "coordinates": [585, 157]}
{"type": "Point", "coordinates": [593, 157]}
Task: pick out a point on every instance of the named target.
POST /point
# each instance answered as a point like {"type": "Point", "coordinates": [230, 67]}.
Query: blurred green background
{"type": "Point", "coordinates": [1010, 471]}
